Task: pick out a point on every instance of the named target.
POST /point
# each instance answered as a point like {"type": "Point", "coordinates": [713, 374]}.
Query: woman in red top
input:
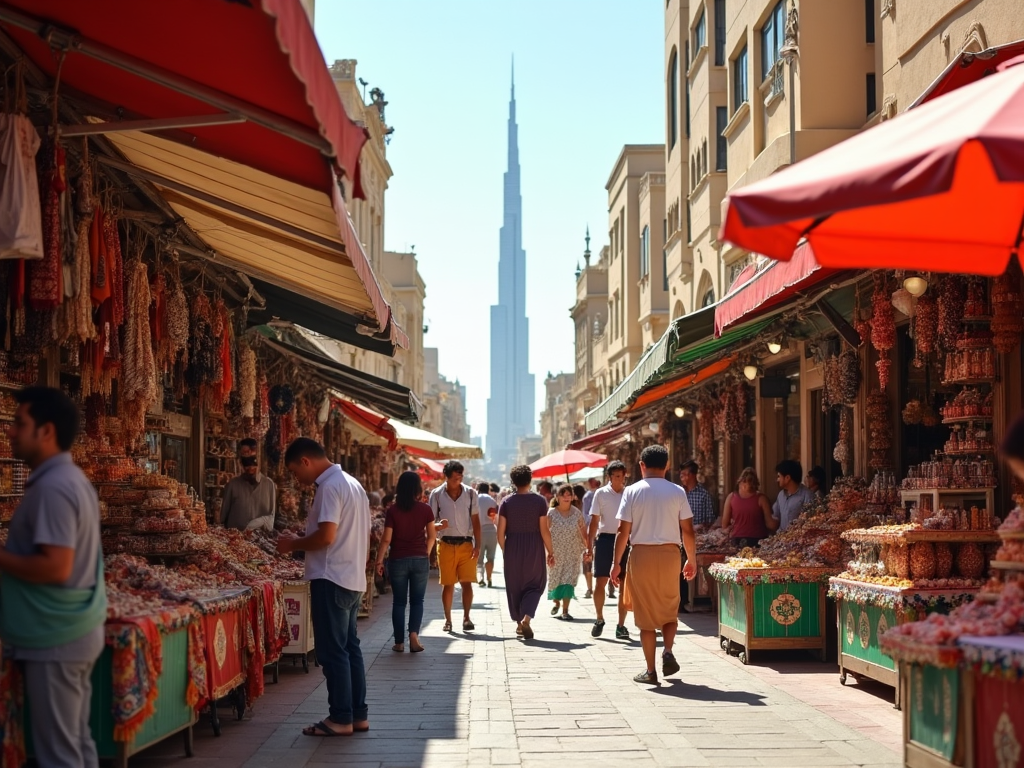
{"type": "Point", "coordinates": [748, 511]}
{"type": "Point", "coordinates": [409, 529]}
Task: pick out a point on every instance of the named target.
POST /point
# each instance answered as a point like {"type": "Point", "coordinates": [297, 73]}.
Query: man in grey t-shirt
{"type": "Point", "coordinates": [250, 500]}
{"type": "Point", "coordinates": [54, 544]}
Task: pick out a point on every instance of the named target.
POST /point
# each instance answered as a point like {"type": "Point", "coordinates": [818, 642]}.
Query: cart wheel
{"type": "Point", "coordinates": [726, 644]}
{"type": "Point", "coordinates": [277, 673]}
{"type": "Point", "coordinates": [189, 739]}
{"type": "Point", "coordinates": [842, 678]}
{"type": "Point", "coordinates": [743, 657]}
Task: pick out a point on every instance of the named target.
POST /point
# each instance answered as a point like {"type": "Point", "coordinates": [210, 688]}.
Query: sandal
{"type": "Point", "coordinates": [398, 647]}
{"type": "Point", "coordinates": [468, 626]}
{"type": "Point", "coordinates": [566, 617]}
{"type": "Point", "coordinates": [555, 610]}
{"type": "Point", "coordinates": [447, 627]}
{"type": "Point", "coordinates": [364, 728]}
{"type": "Point", "coordinates": [519, 630]}
{"type": "Point", "coordinates": [416, 649]}
{"type": "Point", "coordinates": [527, 632]}
{"type": "Point", "coordinates": [647, 678]}
{"type": "Point", "coordinates": [323, 730]}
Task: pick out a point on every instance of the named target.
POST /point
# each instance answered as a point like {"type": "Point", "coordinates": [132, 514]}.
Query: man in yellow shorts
{"type": "Point", "coordinates": [457, 517]}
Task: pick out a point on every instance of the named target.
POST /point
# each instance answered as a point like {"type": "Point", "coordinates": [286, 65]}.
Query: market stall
{"type": "Point", "coordinates": [713, 546]}
{"type": "Point", "coordinates": [902, 573]}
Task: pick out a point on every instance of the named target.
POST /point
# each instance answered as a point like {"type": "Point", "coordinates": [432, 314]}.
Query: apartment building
{"type": "Point", "coordinates": [557, 418]}
{"type": "Point", "coordinates": [589, 316]}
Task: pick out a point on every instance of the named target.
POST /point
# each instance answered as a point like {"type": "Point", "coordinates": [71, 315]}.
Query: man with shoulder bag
{"type": "Point", "coordinates": [456, 511]}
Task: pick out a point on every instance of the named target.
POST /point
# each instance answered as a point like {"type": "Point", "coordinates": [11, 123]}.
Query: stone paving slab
{"type": "Point", "coordinates": [486, 698]}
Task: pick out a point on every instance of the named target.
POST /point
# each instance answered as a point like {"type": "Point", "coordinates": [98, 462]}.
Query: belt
{"type": "Point", "coordinates": [456, 539]}
{"type": "Point", "coordinates": [603, 535]}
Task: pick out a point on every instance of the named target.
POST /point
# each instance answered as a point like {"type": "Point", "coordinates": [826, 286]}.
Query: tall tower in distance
{"type": "Point", "coordinates": [510, 408]}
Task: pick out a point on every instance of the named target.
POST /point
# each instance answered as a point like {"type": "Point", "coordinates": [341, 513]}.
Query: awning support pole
{"type": "Point", "coordinates": [168, 124]}
{"type": "Point", "coordinates": [66, 40]}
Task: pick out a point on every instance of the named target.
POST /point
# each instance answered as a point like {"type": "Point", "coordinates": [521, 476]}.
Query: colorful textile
{"type": "Point", "coordinates": [137, 661]}
{"type": "Point", "coordinates": [12, 707]}
{"type": "Point", "coordinates": [195, 690]}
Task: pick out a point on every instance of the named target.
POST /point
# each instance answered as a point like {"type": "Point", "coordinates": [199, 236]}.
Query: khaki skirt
{"type": "Point", "coordinates": [652, 577]}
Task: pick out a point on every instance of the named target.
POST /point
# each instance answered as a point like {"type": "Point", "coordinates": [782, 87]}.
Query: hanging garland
{"type": "Point", "coordinates": [883, 326]}
{"type": "Point", "coordinates": [138, 379]}
{"type": "Point", "coordinates": [247, 379]}
{"type": "Point", "coordinates": [952, 297]}
{"type": "Point", "coordinates": [843, 452]}
{"type": "Point", "coordinates": [202, 359]}
{"type": "Point", "coordinates": [879, 430]}
{"type": "Point", "coordinates": [282, 399]}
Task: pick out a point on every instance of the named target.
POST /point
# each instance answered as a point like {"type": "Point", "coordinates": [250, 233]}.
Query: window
{"type": "Point", "coordinates": [673, 99]}
{"type": "Point", "coordinates": [720, 33]}
{"type": "Point", "coordinates": [872, 100]}
{"type": "Point", "coordinates": [686, 86]}
{"type": "Point", "coordinates": [739, 80]}
{"type": "Point", "coordinates": [709, 298]}
{"type": "Point", "coordinates": [645, 252]}
{"type": "Point", "coordinates": [704, 158]}
{"type": "Point", "coordinates": [772, 34]}
{"type": "Point", "coordinates": [869, 21]}
{"type": "Point", "coordinates": [689, 239]}
{"type": "Point", "coordinates": [700, 33]}
{"type": "Point", "coordinates": [721, 146]}
{"type": "Point", "coordinates": [664, 260]}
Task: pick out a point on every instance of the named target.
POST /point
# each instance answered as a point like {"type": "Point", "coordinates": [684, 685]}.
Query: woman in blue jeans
{"type": "Point", "coordinates": [409, 530]}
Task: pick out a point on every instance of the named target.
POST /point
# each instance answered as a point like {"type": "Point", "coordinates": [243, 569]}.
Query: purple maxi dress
{"type": "Point", "coordinates": [526, 572]}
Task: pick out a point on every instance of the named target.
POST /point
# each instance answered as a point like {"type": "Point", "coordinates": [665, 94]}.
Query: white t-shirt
{"type": "Point", "coordinates": [340, 499]}
{"type": "Point", "coordinates": [654, 506]}
{"type": "Point", "coordinates": [486, 504]}
{"type": "Point", "coordinates": [604, 507]}
{"type": "Point", "coordinates": [458, 512]}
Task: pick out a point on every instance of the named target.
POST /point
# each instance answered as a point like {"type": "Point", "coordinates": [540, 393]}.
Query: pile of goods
{"type": "Point", "coordinates": [970, 363]}
{"type": "Point", "coordinates": [968, 403]}
{"type": "Point", "coordinates": [151, 515]}
{"type": "Point", "coordinates": [714, 540]}
{"type": "Point", "coordinates": [1007, 309]}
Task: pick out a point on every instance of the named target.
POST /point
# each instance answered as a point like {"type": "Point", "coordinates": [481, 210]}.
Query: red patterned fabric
{"type": "Point", "coordinates": [45, 276]}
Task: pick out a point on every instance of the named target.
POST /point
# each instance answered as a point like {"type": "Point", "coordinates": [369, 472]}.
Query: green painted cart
{"type": "Point", "coordinates": [172, 713]}
{"type": "Point", "coordinates": [771, 609]}
{"type": "Point", "coordinates": [867, 611]}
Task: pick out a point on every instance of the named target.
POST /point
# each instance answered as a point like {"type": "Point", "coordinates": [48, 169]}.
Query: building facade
{"type": "Point", "coordinates": [511, 410]}
{"type": "Point", "coordinates": [589, 316]}
{"type": "Point", "coordinates": [444, 402]}
{"type": "Point", "coordinates": [408, 292]}
{"type": "Point", "coordinates": [557, 420]}
{"type": "Point", "coordinates": [636, 165]}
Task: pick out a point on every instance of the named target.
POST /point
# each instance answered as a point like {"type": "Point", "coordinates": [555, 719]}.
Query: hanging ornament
{"type": "Point", "coordinates": [282, 399]}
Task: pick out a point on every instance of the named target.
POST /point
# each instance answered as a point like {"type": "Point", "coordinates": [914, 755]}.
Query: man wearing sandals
{"type": "Point", "coordinates": [655, 518]}
{"type": "Point", "coordinates": [336, 544]}
{"type": "Point", "coordinates": [456, 509]}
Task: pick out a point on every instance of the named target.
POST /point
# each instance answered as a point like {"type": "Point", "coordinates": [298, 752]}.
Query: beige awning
{"type": "Point", "coordinates": [272, 229]}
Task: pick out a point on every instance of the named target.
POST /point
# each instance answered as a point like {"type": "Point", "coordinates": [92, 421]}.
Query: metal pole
{"type": "Point", "coordinates": [791, 97]}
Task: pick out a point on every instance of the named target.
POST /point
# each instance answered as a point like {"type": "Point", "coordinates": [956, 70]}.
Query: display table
{"type": "Point", "coordinates": [300, 622]}
{"type": "Point", "coordinates": [703, 585]}
{"type": "Point", "coordinates": [867, 611]}
{"type": "Point", "coordinates": [937, 727]}
{"type": "Point", "coordinates": [771, 608]}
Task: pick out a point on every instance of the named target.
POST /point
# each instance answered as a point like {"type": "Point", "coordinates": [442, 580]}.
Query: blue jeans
{"type": "Point", "coordinates": [334, 610]}
{"type": "Point", "coordinates": [408, 577]}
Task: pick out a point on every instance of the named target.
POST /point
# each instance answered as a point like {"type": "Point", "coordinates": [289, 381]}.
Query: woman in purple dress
{"type": "Point", "coordinates": [524, 537]}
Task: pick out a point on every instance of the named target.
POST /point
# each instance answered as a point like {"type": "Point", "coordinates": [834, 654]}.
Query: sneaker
{"type": "Point", "coordinates": [669, 665]}
{"type": "Point", "coordinates": [611, 592]}
{"type": "Point", "coordinates": [482, 583]}
{"type": "Point", "coordinates": [489, 584]}
{"type": "Point", "coordinates": [589, 594]}
{"type": "Point", "coordinates": [598, 628]}
{"type": "Point", "coordinates": [621, 633]}
{"type": "Point", "coordinates": [647, 678]}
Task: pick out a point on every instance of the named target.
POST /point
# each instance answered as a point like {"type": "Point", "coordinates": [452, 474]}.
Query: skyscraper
{"type": "Point", "coordinates": [510, 408]}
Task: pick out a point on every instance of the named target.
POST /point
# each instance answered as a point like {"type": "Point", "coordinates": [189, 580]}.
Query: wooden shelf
{"type": "Point", "coordinates": [977, 319]}
{"type": "Point", "coordinates": [975, 452]}
{"type": "Point", "coordinates": [968, 420]}
{"type": "Point", "coordinates": [953, 537]}
{"type": "Point", "coordinates": [1006, 565]}
{"type": "Point", "coordinates": [961, 382]}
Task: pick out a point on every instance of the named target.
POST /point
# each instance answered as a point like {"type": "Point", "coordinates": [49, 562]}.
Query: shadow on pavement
{"type": "Point", "coordinates": [555, 646]}
{"type": "Point", "coordinates": [682, 690]}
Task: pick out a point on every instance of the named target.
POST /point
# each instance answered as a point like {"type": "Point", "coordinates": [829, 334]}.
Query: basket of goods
{"type": "Point", "coordinates": [161, 525]}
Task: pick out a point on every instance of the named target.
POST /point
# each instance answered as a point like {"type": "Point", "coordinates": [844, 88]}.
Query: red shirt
{"type": "Point", "coordinates": [408, 530]}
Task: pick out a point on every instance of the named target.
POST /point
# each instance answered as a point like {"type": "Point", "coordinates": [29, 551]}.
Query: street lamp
{"type": "Point", "coordinates": [789, 53]}
{"type": "Point", "coordinates": [750, 371]}
{"type": "Point", "coordinates": [775, 346]}
{"type": "Point", "coordinates": [915, 285]}
{"type": "Point", "coordinates": [679, 412]}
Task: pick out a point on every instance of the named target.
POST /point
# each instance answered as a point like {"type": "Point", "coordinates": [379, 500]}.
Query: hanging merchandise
{"type": "Point", "coordinates": [883, 326]}
{"type": "Point", "coordinates": [138, 379]}
{"type": "Point", "coordinates": [1007, 309]}
{"type": "Point", "coordinates": [176, 326]}
{"type": "Point", "coordinates": [282, 399]}
{"type": "Point", "coordinates": [226, 347]}
{"type": "Point", "coordinates": [705, 435]}
{"type": "Point", "coordinates": [113, 248]}
{"type": "Point", "coordinates": [247, 379]}
{"type": "Point", "coordinates": [913, 412]}
{"type": "Point", "coordinates": [202, 352]}
{"type": "Point", "coordinates": [926, 320]}
{"type": "Point", "coordinates": [879, 430]}
{"type": "Point", "coordinates": [45, 288]}
{"type": "Point", "coordinates": [952, 296]}
{"type": "Point", "coordinates": [734, 411]}
{"type": "Point", "coordinates": [843, 452]}
{"type": "Point", "coordinates": [21, 221]}
{"type": "Point", "coordinates": [80, 306]}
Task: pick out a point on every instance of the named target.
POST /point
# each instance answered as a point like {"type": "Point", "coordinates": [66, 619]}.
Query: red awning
{"type": "Point", "coordinates": [772, 286]}
{"type": "Point", "coordinates": [596, 439]}
{"type": "Point", "coordinates": [968, 67]}
{"type": "Point", "coordinates": [369, 420]}
{"type": "Point", "coordinates": [257, 60]}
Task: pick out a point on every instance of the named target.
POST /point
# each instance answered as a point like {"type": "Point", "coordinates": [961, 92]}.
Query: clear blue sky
{"type": "Point", "coordinates": [588, 80]}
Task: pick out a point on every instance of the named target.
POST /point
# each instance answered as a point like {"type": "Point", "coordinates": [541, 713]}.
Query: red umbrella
{"type": "Point", "coordinates": [938, 188]}
{"type": "Point", "coordinates": [566, 462]}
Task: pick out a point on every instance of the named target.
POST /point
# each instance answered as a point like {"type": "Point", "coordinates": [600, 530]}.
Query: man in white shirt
{"type": "Point", "coordinates": [588, 565]}
{"type": "Point", "coordinates": [457, 518]}
{"type": "Point", "coordinates": [654, 517]}
{"type": "Point", "coordinates": [488, 532]}
{"type": "Point", "coordinates": [336, 544]}
{"type": "Point", "coordinates": [603, 525]}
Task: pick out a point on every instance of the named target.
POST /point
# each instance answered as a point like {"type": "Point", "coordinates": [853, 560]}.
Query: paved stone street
{"type": "Point", "coordinates": [486, 698]}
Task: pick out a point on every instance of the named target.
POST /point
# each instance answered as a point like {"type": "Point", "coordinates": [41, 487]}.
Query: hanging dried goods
{"type": "Point", "coordinates": [926, 324]}
{"type": "Point", "coordinates": [952, 296]}
{"type": "Point", "coordinates": [879, 430]}
{"type": "Point", "coordinates": [1007, 309]}
{"type": "Point", "coordinates": [843, 452]}
{"type": "Point", "coordinates": [883, 326]}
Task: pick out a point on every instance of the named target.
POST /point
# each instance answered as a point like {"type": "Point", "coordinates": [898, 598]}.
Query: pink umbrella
{"type": "Point", "coordinates": [566, 462]}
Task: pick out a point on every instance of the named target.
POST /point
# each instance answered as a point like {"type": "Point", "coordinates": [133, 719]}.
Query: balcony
{"type": "Point", "coordinates": [774, 86]}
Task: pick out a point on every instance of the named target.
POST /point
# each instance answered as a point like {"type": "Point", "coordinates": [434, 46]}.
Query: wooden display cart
{"type": "Point", "coordinates": [771, 609]}
{"type": "Point", "coordinates": [937, 724]}
{"type": "Point", "coordinates": [866, 611]}
{"type": "Point", "coordinates": [300, 622]}
{"type": "Point", "coordinates": [703, 585]}
{"type": "Point", "coordinates": [995, 666]}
